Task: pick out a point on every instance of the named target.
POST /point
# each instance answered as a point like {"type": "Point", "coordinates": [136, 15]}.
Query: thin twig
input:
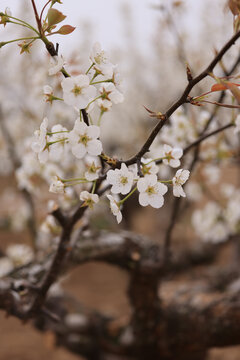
{"type": "Point", "coordinates": [181, 100]}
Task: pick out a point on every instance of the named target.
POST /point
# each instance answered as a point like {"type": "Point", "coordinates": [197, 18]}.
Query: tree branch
{"type": "Point", "coordinates": [181, 101]}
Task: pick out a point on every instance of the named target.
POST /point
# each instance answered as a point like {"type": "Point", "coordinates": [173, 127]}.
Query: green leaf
{"type": "Point", "coordinates": [54, 17]}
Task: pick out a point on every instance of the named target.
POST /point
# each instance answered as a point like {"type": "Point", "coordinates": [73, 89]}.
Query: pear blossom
{"type": "Point", "coordinates": [232, 212]}
{"type": "Point", "coordinates": [57, 186]}
{"type": "Point", "coordinates": [4, 18]}
{"type": "Point", "coordinates": [237, 125]}
{"type": "Point", "coordinates": [77, 91]}
{"type": "Point", "coordinates": [58, 143]}
{"type": "Point", "coordinates": [209, 223]}
{"type": "Point", "coordinates": [48, 93]}
{"type": "Point", "coordinates": [93, 169]}
{"type": "Point", "coordinates": [115, 208]}
{"type": "Point", "coordinates": [83, 139]}
{"type": "Point", "coordinates": [39, 144]}
{"type": "Point", "coordinates": [104, 105]}
{"type": "Point", "coordinates": [120, 179]}
{"type": "Point", "coordinates": [57, 62]}
{"type": "Point", "coordinates": [116, 78]}
{"type": "Point", "coordinates": [6, 266]}
{"type": "Point", "coordinates": [179, 179]}
{"type": "Point", "coordinates": [109, 92]}
{"type": "Point", "coordinates": [151, 191]}
{"type": "Point", "coordinates": [20, 254]}
{"type": "Point", "coordinates": [89, 199]}
{"type": "Point", "coordinates": [8, 11]}
{"type": "Point", "coordinates": [100, 60]}
{"type": "Point", "coordinates": [149, 167]}
{"type": "Point", "coordinates": [49, 225]}
{"type": "Point", "coordinates": [171, 156]}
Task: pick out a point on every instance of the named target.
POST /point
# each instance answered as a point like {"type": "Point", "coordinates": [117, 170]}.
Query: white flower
{"type": "Point", "coordinates": [227, 190]}
{"type": "Point", "coordinates": [171, 156]}
{"type": "Point", "coordinates": [232, 213]}
{"type": "Point", "coordinates": [77, 91]}
{"type": "Point", "coordinates": [83, 140]}
{"type": "Point", "coordinates": [48, 93]}
{"type": "Point", "coordinates": [100, 60]}
{"type": "Point", "coordinates": [20, 254]}
{"type": "Point", "coordinates": [49, 225]}
{"type": "Point", "coordinates": [56, 150]}
{"type": "Point", "coordinates": [209, 223]}
{"type": "Point", "coordinates": [57, 186]}
{"type": "Point", "coordinates": [8, 11]}
{"type": "Point", "coordinates": [93, 169]}
{"type": "Point", "coordinates": [109, 92]}
{"type": "Point", "coordinates": [104, 104]}
{"type": "Point", "coordinates": [116, 78]}
{"type": "Point", "coordinates": [151, 191]}
{"type": "Point", "coordinates": [121, 179]}
{"type": "Point", "coordinates": [179, 179]}
{"type": "Point", "coordinates": [57, 62]}
{"type": "Point", "coordinates": [39, 144]}
{"type": "Point", "coordinates": [6, 266]}
{"type": "Point", "coordinates": [149, 167]}
{"type": "Point", "coordinates": [89, 199]}
{"type": "Point", "coordinates": [218, 233]}
{"type": "Point", "coordinates": [237, 125]}
{"type": "Point", "coordinates": [115, 208]}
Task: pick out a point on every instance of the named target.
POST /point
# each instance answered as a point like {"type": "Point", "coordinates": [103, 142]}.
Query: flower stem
{"type": "Point", "coordinates": [128, 196]}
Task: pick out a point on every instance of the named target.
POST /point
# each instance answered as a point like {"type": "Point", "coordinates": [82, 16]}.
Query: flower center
{"type": "Point", "coordinates": [146, 169]}
{"type": "Point", "coordinates": [124, 180]}
{"type": "Point", "coordinates": [100, 58]}
{"type": "Point", "coordinates": [77, 90]}
{"type": "Point", "coordinates": [169, 155]}
{"type": "Point", "coordinates": [150, 190]}
{"type": "Point", "coordinates": [83, 139]}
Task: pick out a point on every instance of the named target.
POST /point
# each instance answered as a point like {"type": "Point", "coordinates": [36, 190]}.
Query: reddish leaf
{"type": "Point", "coordinates": [234, 6]}
{"type": "Point", "coordinates": [66, 29]}
{"type": "Point", "coordinates": [220, 87]}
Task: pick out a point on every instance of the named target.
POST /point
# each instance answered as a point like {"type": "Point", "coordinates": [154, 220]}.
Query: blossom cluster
{"type": "Point", "coordinates": [217, 221]}
{"type": "Point", "coordinates": [98, 87]}
{"type": "Point", "coordinates": [16, 255]}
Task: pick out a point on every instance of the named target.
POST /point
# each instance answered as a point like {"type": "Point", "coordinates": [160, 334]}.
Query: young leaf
{"type": "Point", "coordinates": [234, 6]}
{"type": "Point", "coordinates": [54, 17]}
{"type": "Point", "coordinates": [220, 87]}
{"type": "Point", "coordinates": [66, 29]}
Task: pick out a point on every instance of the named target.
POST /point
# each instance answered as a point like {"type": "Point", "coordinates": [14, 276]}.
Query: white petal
{"type": "Point", "coordinates": [177, 153]}
{"type": "Point", "coordinates": [93, 131]}
{"type": "Point", "coordinates": [174, 163]}
{"type": "Point", "coordinates": [94, 147]}
{"type": "Point", "coordinates": [161, 188]}
{"type": "Point", "coordinates": [156, 201]}
{"type": "Point", "coordinates": [143, 199]}
{"type": "Point", "coordinates": [79, 150]}
{"type": "Point", "coordinates": [142, 185]}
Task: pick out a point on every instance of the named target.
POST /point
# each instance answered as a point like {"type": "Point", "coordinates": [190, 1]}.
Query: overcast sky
{"type": "Point", "coordinates": [104, 14]}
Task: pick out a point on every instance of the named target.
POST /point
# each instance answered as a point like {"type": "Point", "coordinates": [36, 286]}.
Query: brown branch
{"type": "Point", "coordinates": [39, 24]}
{"type": "Point", "coordinates": [181, 101]}
{"type": "Point", "coordinates": [206, 136]}
{"type": "Point", "coordinates": [58, 260]}
{"type": "Point", "coordinates": [167, 241]}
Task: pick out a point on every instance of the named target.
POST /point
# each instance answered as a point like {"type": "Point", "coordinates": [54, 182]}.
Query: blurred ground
{"type": "Point", "coordinates": [95, 285]}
